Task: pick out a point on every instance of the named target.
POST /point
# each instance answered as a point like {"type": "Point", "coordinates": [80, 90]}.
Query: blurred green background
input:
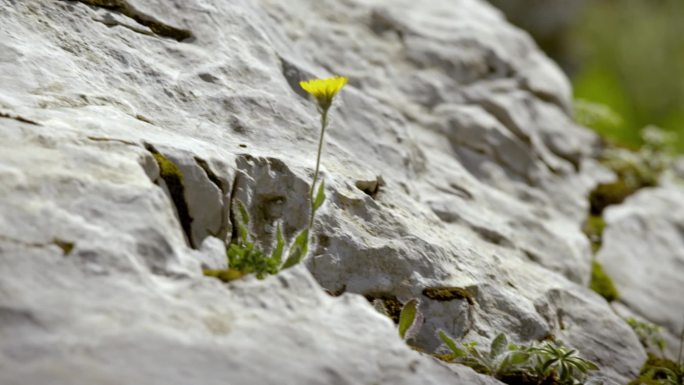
{"type": "Point", "coordinates": [625, 54]}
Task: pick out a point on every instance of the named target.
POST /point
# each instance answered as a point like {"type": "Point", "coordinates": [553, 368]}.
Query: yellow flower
{"type": "Point", "coordinates": [324, 90]}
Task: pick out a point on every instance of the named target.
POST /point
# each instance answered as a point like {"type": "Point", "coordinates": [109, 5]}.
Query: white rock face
{"type": "Point", "coordinates": [643, 251]}
{"type": "Point", "coordinates": [450, 162]}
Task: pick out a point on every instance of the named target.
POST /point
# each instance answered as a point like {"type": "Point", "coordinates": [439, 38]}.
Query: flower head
{"type": "Point", "coordinates": [324, 90]}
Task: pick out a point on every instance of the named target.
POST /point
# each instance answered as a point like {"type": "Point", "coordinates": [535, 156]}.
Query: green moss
{"type": "Point", "coordinates": [446, 357]}
{"type": "Point", "coordinates": [634, 170]}
{"type": "Point", "coordinates": [66, 246]}
{"type": "Point", "coordinates": [649, 334]}
{"type": "Point", "coordinates": [653, 371]}
{"type": "Point", "coordinates": [448, 294]}
{"type": "Point", "coordinates": [593, 228]}
{"type": "Point", "coordinates": [391, 303]}
{"type": "Point", "coordinates": [654, 361]}
{"type": "Point", "coordinates": [607, 194]}
{"type": "Point", "coordinates": [601, 283]}
{"type": "Point", "coordinates": [225, 275]}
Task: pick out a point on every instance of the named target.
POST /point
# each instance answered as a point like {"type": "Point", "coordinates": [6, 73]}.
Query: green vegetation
{"type": "Point", "coordinates": [448, 294]}
{"type": "Point", "coordinates": [629, 55]}
{"type": "Point", "coordinates": [649, 334]}
{"type": "Point", "coordinates": [66, 246]}
{"type": "Point", "coordinates": [635, 169]}
{"type": "Point", "coordinates": [600, 117]}
{"type": "Point", "coordinates": [537, 364]}
{"type": "Point", "coordinates": [601, 283]}
{"type": "Point", "coordinates": [410, 320]}
{"type": "Point", "coordinates": [593, 228]}
{"type": "Point", "coordinates": [659, 370]}
{"type": "Point", "coordinates": [408, 317]}
{"type": "Point", "coordinates": [387, 304]}
{"type": "Point", "coordinates": [244, 258]}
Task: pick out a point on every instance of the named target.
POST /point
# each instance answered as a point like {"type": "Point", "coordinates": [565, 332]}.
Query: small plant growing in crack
{"type": "Point", "coordinates": [243, 256]}
{"type": "Point", "coordinates": [650, 335]}
{"type": "Point", "coordinates": [410, 317]}
{"type": "Point", "coordinates": [542, 364]}
{"type": "Point", "coordinates": [324, 91]}
{"type": "Point", "coordinates": [662, 370]}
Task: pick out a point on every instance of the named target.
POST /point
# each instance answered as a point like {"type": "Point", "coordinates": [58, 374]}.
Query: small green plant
{"type": "Point", "coordinates": [324, 91]}
{"type": "Point", "coordinates": [597, 116]}
{"type": "Point", "coordinates": [661, 370]}
{"type": "Point", "coordinates": [542, 364]}
{"type": "Point", "coordinates": [502, 359]}
{"type": "Point", "coordinates": [559, 362]}
{"type": "Point", "coordinates": [593, 228]}
{"type": "Point", "coordinates": [601, 282]}
{"type": "Point", "coordinates": [243, 257]}
{"type": "Point", "coordinates": [649, 334]}
{"type": "Point", "coordinates": [410, 318]}
{"type": "Point", "coordinates": [634, 168]}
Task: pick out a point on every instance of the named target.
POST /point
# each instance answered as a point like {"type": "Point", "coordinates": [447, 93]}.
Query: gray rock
{"type": "Point", "coordinates": [450, 161]}
{"type": "Point", "coordinates": [643, 251]}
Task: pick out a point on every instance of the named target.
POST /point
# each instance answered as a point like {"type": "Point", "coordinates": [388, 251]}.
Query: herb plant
{"type": "Point", "coordinates": [410, 317]}
{"type": "Point", "coordinates": [545, 363]}
{"type": "Point", "coordinates": [662, 371]}
{"type": "Point", "coordinates": [649, 334]}
{"type": "Point", "coordinates": [243, 257]}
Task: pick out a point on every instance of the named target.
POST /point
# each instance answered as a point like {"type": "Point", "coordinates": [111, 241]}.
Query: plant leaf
{"type": "Point", "coordinates": [548, 364]}
{"type": "Point", "coordinates": [320, 196]}
{"type": "Point", "coordinates": [407, 317]}
{"type": "Point", "coordinates": [590, 365]}
{"type": "Point", "coordinates": [243, 221]}
{"type": "Point", "coordinates": [415, 327]}
{"type": "Point", "coordinates": [298, 249]}
{"type": "Point", "coordinates": [498, 345]}
{"type": "Point", "coordinates": [519, 358]}
{"type": "Point", "coordinates": [451, 344]}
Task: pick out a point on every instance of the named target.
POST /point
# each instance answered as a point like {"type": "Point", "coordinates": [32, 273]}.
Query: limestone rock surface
{"type": "Point", "coordinates": [643, 251]}
{"type": "Point", "coordinates": [128, 127]}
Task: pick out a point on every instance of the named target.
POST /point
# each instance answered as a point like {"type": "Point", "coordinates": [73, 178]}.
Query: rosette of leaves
{"type": "Point", "coordinates": [546, 364]}
{"type": "Point", "coordinates": [562, 364]}
{"type": "Point", "coordinates": [501, 360]}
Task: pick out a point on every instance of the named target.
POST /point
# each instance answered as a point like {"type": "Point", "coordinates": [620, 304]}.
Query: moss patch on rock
{"type": "Point", "coordinates": [448, 294]}
{"type": "Point", "coordinates": [602, 284]}
{"type": "Point", "coordinates": [66, 246]}
{"type": "Point", "coordinates": [390, 302]}
{"type": "Point", "coordinates": [225, 275]}
{"type": "Point", "coordinates": [593, 229]}
{"type": "Point", "coordinates": [654, 371]}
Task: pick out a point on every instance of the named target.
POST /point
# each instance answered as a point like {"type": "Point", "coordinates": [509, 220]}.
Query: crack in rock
{"type": "Point", "coordinates": [157, 27]}
{"type": "Point", "coordinates": [173, 178]}
{"type": "Point", "coordinates": [66, 246]}
{"type": "Point", "coordinates": [18, 118]}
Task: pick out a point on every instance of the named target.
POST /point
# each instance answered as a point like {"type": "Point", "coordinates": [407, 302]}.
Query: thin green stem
{"type": "Point", "coordinates": [681, 346]}
{"type": "Point", "coordinates": [324, 124]}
